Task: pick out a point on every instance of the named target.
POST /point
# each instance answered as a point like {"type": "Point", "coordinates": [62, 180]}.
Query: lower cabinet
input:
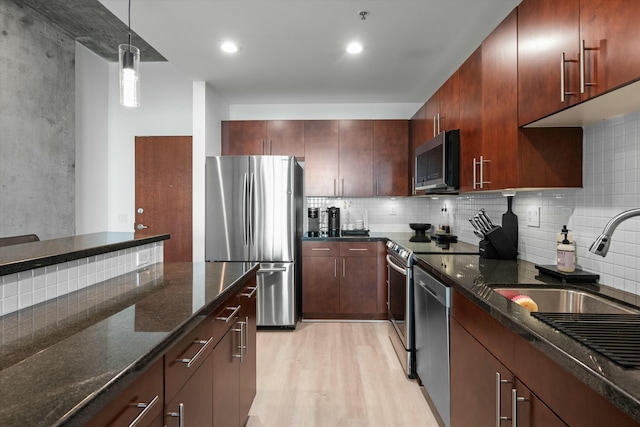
{"type": "Point", "coordinates": [208, 378]}
{"type": "Point", "coordinates": [497, 376]}
{"type": "Point", "coordinates": [340, 280]}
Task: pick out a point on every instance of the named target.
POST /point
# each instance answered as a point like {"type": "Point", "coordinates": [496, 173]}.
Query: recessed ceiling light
{"type": "Point", "coordinates": [229, 47]}
{"type": "Point", "coordinates": [354, 48]}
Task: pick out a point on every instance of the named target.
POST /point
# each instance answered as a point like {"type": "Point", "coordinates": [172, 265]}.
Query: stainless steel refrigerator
{"type": "Point", "coordinates": [254, 213]}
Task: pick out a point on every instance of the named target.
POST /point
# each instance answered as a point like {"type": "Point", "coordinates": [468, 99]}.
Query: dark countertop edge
{"type": "Point", "coordinates": [44, 261]}
{"type": "Point", "coordinates": [345, 239]}
{"type": "Point", "coordinates": [95, 402]}
{"type": "Point", "coordinates": [602, 385]}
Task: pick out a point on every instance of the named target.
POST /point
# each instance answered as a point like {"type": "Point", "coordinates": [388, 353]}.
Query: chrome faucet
{"type": "Point", "coordinates": [601, 245]}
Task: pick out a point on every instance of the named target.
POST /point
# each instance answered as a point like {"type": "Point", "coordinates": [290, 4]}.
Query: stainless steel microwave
{"type": "Point", "coordinates": [438, 164]}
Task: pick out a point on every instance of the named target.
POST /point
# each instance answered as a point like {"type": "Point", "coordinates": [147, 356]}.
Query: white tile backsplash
{"type": "Point", "coordinates": [31, 287]}
{"type": "Point", "coordinates": [611, 179]}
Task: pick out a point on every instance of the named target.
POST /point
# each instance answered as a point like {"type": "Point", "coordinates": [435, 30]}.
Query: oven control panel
{"type": "Point", "coordinates": [398, 250]}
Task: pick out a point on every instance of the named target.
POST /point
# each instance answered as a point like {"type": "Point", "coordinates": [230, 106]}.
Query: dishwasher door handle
{"type": "Point", "coordinates": [433, 294]}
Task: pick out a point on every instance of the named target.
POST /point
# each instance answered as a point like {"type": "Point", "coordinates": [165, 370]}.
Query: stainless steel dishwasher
{"type": "Point", "coordinates": [432, 304]}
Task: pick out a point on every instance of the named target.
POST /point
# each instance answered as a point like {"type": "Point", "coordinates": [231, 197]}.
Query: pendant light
{"type": "Point", "coordinates": [129, 64]}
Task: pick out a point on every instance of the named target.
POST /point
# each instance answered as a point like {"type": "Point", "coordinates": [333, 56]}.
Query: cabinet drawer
{"type": "Point", "coordinates": [184, 358]}
{"type": "Point", "coordinates": [327, 249]}
{"type": "Point", "coordinates": [142, 400]}
{"type": "Point", "coordinates": [358, 249]}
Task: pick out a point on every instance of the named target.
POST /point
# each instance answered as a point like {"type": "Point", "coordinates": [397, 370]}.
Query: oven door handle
{"type": "Point", "coordinates": [393, 265]}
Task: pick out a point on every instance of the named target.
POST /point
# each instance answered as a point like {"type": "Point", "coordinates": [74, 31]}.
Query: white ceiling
{"type": "Point", "coordinates": [292, 51]}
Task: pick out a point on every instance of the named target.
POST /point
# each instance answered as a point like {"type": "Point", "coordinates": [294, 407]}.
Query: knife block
{"type": "Point", "coordinates": [496, 245]}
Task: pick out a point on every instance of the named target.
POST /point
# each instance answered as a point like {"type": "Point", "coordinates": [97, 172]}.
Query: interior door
{"type": "Point", "coordinates": [163, 189]}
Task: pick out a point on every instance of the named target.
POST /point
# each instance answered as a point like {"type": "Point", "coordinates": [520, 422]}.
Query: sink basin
{"type": "Point", "coordinates": [560, 300]}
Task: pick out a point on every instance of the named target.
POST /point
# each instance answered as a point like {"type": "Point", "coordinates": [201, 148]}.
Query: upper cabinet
{"type": "Point", "coordinates": [572, 50]}
{"type": "Point", "coordinates": [390, 162]}
{"type": "Point", "coordinates": [356, 158]}
{"type": "Point", "coordinates": [321, 157]}
{"type": "Point", "coordinates": [260, 137]}
{"type": "Point", "coordinates": [470, 120]}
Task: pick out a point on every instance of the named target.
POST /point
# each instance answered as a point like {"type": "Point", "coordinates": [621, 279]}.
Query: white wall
{"type": "Point", "coordinates": [323, 111]}
{"type": "Point", "coordinates": [166, 109]}
{"type": "Point", "coordinates": [92, 101]}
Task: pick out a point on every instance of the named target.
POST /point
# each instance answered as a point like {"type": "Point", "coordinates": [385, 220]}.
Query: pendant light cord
{"type": "Point", "coordinates": [129, 25]}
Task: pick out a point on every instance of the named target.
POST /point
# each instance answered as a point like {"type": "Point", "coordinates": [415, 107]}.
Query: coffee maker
{"type": "Point", "coordinates": [333, 218]}
{"type": "Point", "coordinates": [313, 220]}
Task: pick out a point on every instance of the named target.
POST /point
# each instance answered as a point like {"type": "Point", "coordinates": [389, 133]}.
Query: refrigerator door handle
{"type": "Point", "coordinates": [270, 270]}
{"type": "Point", "coordinates": [252, 182]}
{"type": "Point", "coordinates": [244, 210]}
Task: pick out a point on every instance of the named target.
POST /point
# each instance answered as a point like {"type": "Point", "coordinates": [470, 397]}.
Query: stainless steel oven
{"type": "Point", "coordinates": [400, 304]}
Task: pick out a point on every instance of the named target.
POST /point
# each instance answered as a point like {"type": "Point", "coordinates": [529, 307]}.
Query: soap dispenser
{"type": "Point", "coordinates": [566, 253]}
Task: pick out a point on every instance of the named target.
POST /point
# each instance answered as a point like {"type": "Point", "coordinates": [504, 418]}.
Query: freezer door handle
{"type": "Point", "coordinates": [271, 270]}
{"type": "Point", "coordinates": [252, 181]}
{"type": "Point", "coordinates": [244, 211]}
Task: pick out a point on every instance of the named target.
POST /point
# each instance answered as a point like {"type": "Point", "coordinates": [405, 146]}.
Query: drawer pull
{"type": "Point", "coordinates": [358, 249]}
{"type": "Point", "coordinates": [191, 361]}
{"type": "Point", "coordinates": [179, 414]}
{"type": "Point", "coordinates": [320, 249]}
{"type": "Point", "coordinates": [250, 294]}
{"type": "Point", "coordinates": [146, 407]}
{"type": "Point", "coordinates": [235, 311]}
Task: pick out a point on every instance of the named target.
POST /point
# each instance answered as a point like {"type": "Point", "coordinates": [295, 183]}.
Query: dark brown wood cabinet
{"type": "Point", "coordinates": [141, 401]}
{"type": "Point", "coordinates": [418, 134]}
{"type": "Point", "coordinates": [248, 362]}
{"type": "Point", "coordinates": [321, 157]}
{"type": "Point", "coordinates": [355, 158]}
{"type": "Point", "coordinates": [470, 75]}
{"type": "Point", "coordinates": [390, 162]}
{"type": "Point", "coordinates": [191, 403]}
{"type": "Point", "coordinates": [262, 137]}
{"type": "Point", "coordinates": [340, 280]}
{"type": "Point", "coordinates": [489, 362]}
{"type": "Point", "coordinates": [226, 379]}
{"type": "Point", "coordinates": [547, 30]}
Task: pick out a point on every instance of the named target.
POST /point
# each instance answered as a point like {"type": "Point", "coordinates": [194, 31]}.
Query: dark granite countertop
{"type": "Point", "coordinates": [473, 277]}
{"type": "Point", "coordinates": [27, 256]}
{"type": "Point", "coordinates": [66, 358]}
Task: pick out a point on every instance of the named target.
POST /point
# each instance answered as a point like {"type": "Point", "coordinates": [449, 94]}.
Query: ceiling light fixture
{"type": "Point", "coordinates": [229, 47]}
{"type": "Point", "coordinates": [129, 67]}
{"type": "Point", "coordinates": [354, 48]}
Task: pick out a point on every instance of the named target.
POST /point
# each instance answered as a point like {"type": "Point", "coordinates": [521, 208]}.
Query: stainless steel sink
{"type": "Point", "coordinates": [559, 300]}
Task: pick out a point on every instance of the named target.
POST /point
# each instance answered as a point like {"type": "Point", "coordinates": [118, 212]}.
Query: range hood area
{"type": "Point", "coordinates": [623, 100]}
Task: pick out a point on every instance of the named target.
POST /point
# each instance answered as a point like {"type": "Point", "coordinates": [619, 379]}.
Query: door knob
{"type": "Point", "coordinates": [141, 227]}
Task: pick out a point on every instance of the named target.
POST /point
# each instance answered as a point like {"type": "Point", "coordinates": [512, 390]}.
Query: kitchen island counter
{"type": "Point", "coordinates": [63, 360]}
{"type": "Point", "coordinates": [474, 277]}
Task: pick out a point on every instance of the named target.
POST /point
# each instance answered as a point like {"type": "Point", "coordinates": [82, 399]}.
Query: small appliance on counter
{"type": "Point", "coordinates": [313, 222]}
{"type": "Point", "coordinates": [333, 218]}
{"type": "Point", "coordinates": [495, 243]}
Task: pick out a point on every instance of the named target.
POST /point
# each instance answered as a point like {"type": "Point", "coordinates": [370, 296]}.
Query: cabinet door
{"type": "Point", "coordinates": [449, 117]}
{"type": "Point", "coordinates": [141, 399]}
{"type": "Point", "coordinates": [321, 157]}
{"type": "Point", "coordinates": [480, 385]}
{"type": "Point", "coordinates": [531, 411]}
{"type": "Point", "coordinates": [611, 35]}
{"type": "Point", "coordinates": [320, 285]}
{"type": "Point", "coordinates": [546, 29]}
{"type": "Point", "coordinates": [390, 162]}
{"type": "Point", "coordinates": [417, 135]}
{"type": "Point", "coordinates": [470, 118]}
{"type": "Point", "coordinates": [500, 105]}
{"type": "Point", "coordinates": [356, 158]}
{"type": "Point", "coordinates": [358, 284]}
{"type": "Point", "coordinates": [248, 375]}
{"type": "Point", "coordinates": [191, 405]}
{"type": "Point", "coordinates": [432, 109]}
{"type": "Point", "coordinates": [285, 138]}
{"type": "Point", "coordinates": [226, 380]}
{"type": "Point", "coordinates": [243, 138]}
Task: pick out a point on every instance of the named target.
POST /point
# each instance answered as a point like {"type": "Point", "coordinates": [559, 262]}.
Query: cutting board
{"type": "Point", "coordinates": [510, 223]}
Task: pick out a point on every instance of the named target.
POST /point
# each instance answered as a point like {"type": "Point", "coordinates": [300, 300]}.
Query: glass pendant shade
{"type": "Point", "coordinates": [129, 61]}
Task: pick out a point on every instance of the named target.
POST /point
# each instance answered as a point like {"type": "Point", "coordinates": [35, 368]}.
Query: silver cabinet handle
{"type": "Point", "coordinates": [179, 414]}
{"type": "Point", "coordinates": [358, 249]}
{"type": "Point", "coordinates": [499, 382]}
{"type": "Point", "coordinates": [335, 267]}
{"type": "Point", "coordinates": [191, 361]}
{"type": "Point", "coordinates": [434, 126]}
{"type": "Point", "coordinates": [233, 313]}
{"type": "Point", "coordinates": [146, 407]}
{"type": "Point", "coordinates": [252, 293]}
{"type": "Point", "coordinates": [563, 92]}
{"type": "Point", "coordinates": [438, 123]}
{"type": "Point", "coordinates": [334, 187]}
{"type": "Point", "coordinates": [240, 355]}
{"type": "Point", "coordinates": [583, 82]}
{"type": "Point", "coordinates": [344, 267]}
{"type": "Point", "coordinates": [320, 249]}
{"type": "Point", "coordinates": [474, 173]}
{"type": "Point", "coordinates": [342, 189]}
{"type": "Point", "coordinates": [514, 406]}
{"type": "Point", "coordinates": [246, 334]}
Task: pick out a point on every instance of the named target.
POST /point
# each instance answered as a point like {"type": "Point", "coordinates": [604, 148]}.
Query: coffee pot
{"type": "Point", "coordinates": [333, 215]}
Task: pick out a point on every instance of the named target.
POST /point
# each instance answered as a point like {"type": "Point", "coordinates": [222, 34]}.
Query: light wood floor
{"type": "Point", "coordinates": [334, 374]}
